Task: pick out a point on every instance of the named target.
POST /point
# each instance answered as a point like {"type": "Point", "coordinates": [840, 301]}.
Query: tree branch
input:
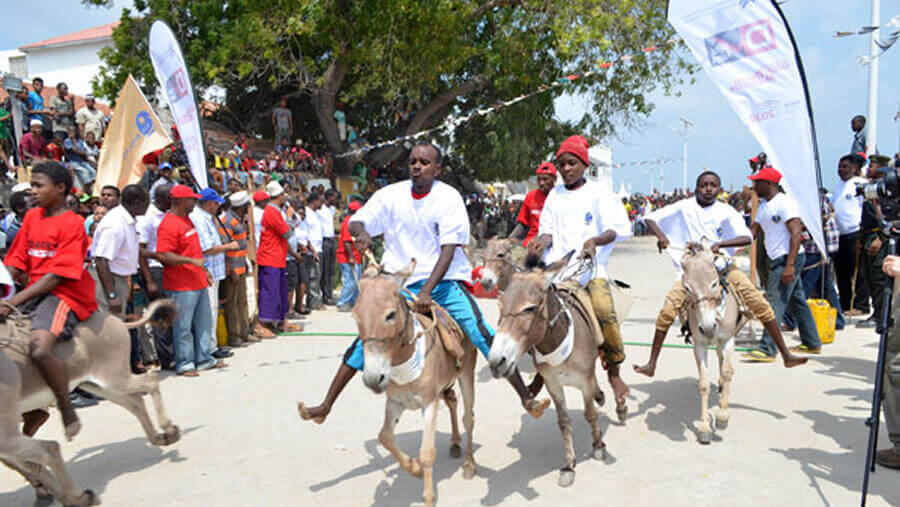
{"type": "Point", "coordinates": [443, 100]}
{"type": "Point", "coordinates": [489, 6]}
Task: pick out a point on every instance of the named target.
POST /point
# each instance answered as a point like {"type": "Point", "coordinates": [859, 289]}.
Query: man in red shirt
{"type": "Point", "coordinates": [33, 146]}
{"type": "Point", "coordinates": [48, 256]}
{"type": "Point", "coordinates": [530, 213]}
{"type": "Point", "coordinates": [349, 262]}
{"type": "Point", "coordinates": [271, 256]}
{"type": "Point", "coordinates": [185, 280]}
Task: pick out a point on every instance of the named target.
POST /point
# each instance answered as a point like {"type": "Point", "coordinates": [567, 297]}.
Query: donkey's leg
{"type": "Point", "coordinates": [700, 354]}
{"type": "Point", "coordinates": [567, 473]}
{"type": "Point", "coordinates": [726, 373]}
{"type": "Point", "coordinates": [467, 386]}
{"type": "Point", "coordinates": [392, 412]}
{"type": "Point", "coordinates": [133, 403]}
{"type": "Point", "coordinates": [592, 417]}
{"type": "Point", "coordinates": [427, 452]}
{"type": "Point", "coordinates": [32, 472]}
{"type": "Point", "coordinates": [450, 399]}
{"type": "Point", "coordinates": [25, 452]}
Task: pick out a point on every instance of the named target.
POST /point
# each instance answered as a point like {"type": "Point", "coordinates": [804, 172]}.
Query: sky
{"type": "Point", "coordinates": [718, 140]}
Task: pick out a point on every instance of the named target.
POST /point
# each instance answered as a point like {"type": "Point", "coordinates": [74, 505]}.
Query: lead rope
{"type": "Point", "coordinates": [17, 322]}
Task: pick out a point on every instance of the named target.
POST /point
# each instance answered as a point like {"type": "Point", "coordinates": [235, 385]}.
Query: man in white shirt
{"type": "Point", "coordinates": [692, 220]}
{"type": "Point", "coordinates": [848, 214]}
{"type": "Point", "coordinates": [425, 220]}
{"type": "Point", "coordinates": [778, 217]}
{"type": "Point", "coordinates": [316, 231]}
{"type": "Point", "coordinates": [582, 216]}
{"type": "Point", "coordinates": [329, 244]}
{"type": "Point", "coordinates": [116, 252]}
{"type": "Point", "coordinates": [152, 269]}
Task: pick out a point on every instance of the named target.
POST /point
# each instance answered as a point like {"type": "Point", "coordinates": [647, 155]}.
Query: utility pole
{"type": "Point", "coordinates": [872, 113]}
{"type": "Point", "coordinates": [897, 119]}
{"type": "Point", "coordinates": [685, 124]}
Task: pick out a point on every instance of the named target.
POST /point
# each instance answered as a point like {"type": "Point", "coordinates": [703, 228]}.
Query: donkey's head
{"type": "Point", "coordinates": [704, 290]}
{"type": "Point", "coordinates": [498, 265]}
{"type": "Point", "coordinates": [384, 322]}
{"type": "Point", "coordinates": [525, 316]}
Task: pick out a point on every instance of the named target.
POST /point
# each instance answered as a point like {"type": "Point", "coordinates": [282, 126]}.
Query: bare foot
{"type": "Point", "coordinates": [315, 414]}
{"type": "Point", "coordinates": [72, 429]}
{"type": "Point", "coordinates": [791, 361]}
{"type": "Point", "coordinates": [536, 408]}
{"type": "Point", "coordinates": [648, 369]}
{"type": "Point", "coordinates": [620, 390]}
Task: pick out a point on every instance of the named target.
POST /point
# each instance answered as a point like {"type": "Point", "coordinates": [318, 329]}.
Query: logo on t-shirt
{"type": "Point", "coordinates": [776, 219]}
{"type": "Point", "coordinates": [437, 229]}
{"type": "Point", "coordinates": [850, 197]}
{"type": "Point", "coordinates": [588, 218]}
{"type": "Point", "coordinates": [719, 232]}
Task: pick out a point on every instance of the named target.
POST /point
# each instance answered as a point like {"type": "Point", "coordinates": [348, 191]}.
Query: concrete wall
{"type": "Point", "coordinates": [75, 65]}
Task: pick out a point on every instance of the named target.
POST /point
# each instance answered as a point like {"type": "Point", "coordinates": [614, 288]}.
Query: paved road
{"type": "Point", "coordinates": [796, 437]}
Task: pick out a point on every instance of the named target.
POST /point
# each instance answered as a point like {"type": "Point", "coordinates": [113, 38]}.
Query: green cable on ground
{"type": "Point", "coordinates": [637, 344]}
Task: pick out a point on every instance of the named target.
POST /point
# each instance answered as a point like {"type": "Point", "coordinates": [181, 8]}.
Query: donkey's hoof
{"type": "Point", "coordinates": [172, 435]}
{"type": "Point", "coordinates": [599, 451]}
{"type": "Point", "coordinates": [455, 451]}
{"type": "Point", "coordinates": [721, 424]}
{"type": "Point", "coordinates": [468, 471]}
{"type": "Point", "coordinates": [566, 477]}
{"type": "Point", "coordinates": [88, 497]}
{"type": "Point", "coordinates": [43, 499]}
{"type": "Point", "coordinates": [704, 437]}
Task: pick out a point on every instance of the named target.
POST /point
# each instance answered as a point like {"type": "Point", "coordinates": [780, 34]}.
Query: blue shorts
{"type": "Point", "coordinates": [461, 306]}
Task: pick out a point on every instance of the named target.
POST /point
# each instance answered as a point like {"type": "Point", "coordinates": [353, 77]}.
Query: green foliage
{"type": "Point", "coordinates": [432, 57]}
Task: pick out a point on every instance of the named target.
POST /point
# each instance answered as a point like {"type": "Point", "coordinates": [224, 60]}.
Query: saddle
{"type": "Point", "coordinates": [448, 330]}
{"type": "Point", "coordinates": [578, 299]}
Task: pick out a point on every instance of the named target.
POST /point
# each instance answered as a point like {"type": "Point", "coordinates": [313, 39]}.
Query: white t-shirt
{"type": "Point", "coordinates": [257, 223]}
{"type": "Point", "coordinates": [314, 221]}
{"type": "Point", "coordinates": [848, 205]}
{"type": "Point", "coordinates": [686, 221]}
{"type": "Point", "coordinates": [571, 217]}
{"type": "Point", "coordinates": [773, 217]}
{"type": "Point", "coordinates": [116, 240]}
{"type": "Point", "coordinates": [147, 226]}
{"type": "Point", "coordinates": [418, 228]}
{"type": "Point", "coordinates": [326, 218]}
{"type": "Point", "coordinates": [301, 232]}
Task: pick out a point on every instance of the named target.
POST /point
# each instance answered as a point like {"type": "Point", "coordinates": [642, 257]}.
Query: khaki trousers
{"type": "Point", "coordinates": [602, 301]}
{"type": "Point", "coordinates": [237, 318]}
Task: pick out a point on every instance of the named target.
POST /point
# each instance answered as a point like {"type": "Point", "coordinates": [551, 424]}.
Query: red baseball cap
{"type": "Point", "coordinates": [260, 196]}
{"type": "Point", "coordinates": [546, 168]}
{"type": "Point", "coordinates": [354, 206]}
{"type": "Point", "coordinates": [767, 174]}
{"type": "Point", "coordinates": [183, 192]}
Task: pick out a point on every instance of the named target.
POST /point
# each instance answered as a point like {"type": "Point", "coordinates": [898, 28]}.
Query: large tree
{"type": "Point", "coordinates": [430, 58]}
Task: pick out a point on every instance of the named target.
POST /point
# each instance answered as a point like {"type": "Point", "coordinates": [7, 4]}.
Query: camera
{"type": "Point", "coordinates": [886, 190]}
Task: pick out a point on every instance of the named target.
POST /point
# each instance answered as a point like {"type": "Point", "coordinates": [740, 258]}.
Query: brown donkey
{"type": "Point", "coordinates": [535, 318]}
{"type": "Point", "coordinates": [97, 359]}
{"type": "Point", "coordinates": [415, 367]}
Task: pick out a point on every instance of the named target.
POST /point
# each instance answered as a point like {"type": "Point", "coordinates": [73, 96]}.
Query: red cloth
{"type": "Point", "coordinates": [273, 246]}
{"type": "Point", "coordinates": [530, 213]}
{"type": "Point", "coordinates": [576, 145]}
{"type": "Point", "coordinates": [56, 245]}
{"type": "Point", "coordinates": [342, 256]}
{"type": "Point", "coordinates": [177, 235]}
{"type": "Point", "coordinates": [36, 146]}
{"type": "Point", "coordinates": [54, 152]}
{"type": "Point", "coordinates": [152, 158]}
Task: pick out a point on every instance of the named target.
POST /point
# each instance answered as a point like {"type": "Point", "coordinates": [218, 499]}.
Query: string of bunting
{"type": "Point", "coordinates": [884, 44]}
{"type": "Point", "coordinates": [452, 122]}
{"type": "Point", "coordinates": [652, 161]}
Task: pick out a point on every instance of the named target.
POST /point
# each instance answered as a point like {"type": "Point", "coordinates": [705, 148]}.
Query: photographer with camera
{"type": "Point", "coordinates": [890, 457]}
{"type": "Point", "coordinates": [873, 244]}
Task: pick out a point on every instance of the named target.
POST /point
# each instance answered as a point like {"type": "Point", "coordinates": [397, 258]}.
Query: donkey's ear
{"type": "Point", "coordinates": [403, 274]}
{"type": "Point", "coordinates": [705, 244]}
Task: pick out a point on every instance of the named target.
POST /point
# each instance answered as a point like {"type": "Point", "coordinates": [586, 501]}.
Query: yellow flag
{"type": "Point", "coordinates": [133, 132]}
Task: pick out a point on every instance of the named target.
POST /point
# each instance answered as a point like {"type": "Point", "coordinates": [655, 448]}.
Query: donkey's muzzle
{"type": "Point", "coordinates": [377, 382]}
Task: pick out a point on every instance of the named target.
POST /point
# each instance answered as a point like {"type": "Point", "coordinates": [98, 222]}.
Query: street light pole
{"type": "Point", "coordinates": [872, 113]}
{"type": "Point", "coordinates": [685, 123]}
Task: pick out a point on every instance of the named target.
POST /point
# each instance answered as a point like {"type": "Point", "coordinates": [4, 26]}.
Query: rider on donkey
{"type": "Point", "coordinates": [692, 220]}
{"type": "Point", "coordinates": [425, 220]}
{"type": "Point", "coordinates": [579, 215]}
{"type": "Point", "coordinates": [48, 256]}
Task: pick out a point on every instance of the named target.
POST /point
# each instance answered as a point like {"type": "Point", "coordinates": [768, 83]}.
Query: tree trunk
{"type": "Point", "coordinates": [323, 101]}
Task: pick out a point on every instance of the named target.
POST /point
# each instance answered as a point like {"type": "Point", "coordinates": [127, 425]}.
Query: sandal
{"type": "Point", "coordinates": [189, 373]}
{"type": "Point", "coordinates": [803, 349]}
{"type": "Point", "coordinates": [758, 356]}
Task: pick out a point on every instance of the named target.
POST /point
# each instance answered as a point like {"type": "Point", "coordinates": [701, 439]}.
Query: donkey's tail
{"type": "Point", "coordinates": [160, 312]}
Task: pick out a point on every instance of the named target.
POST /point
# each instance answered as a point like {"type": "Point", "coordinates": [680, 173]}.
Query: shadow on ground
{"type": "Point", "coordinates": [103, 463]}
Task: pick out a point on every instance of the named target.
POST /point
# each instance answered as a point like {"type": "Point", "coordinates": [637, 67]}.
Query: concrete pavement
{"type": "Point", "coordinates": [796, 437]}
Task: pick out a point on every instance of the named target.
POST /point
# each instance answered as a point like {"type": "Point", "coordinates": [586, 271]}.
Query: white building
{"type": "Point", "coordinates": [71, 58]}
{"type": "Point", "coordinates": [601, 169]}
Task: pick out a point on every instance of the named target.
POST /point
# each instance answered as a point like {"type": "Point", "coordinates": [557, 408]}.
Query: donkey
{"type": "Point", "coordinates": [714, 317]}
{"type": "Point", "coordinates": [534, 317]}
{"type": "Point", "coordinates": [416, 368]}
{"type": "Point", "coordinates": [97, 360]}
{"type": "Point", "coordinates": [499, 263]}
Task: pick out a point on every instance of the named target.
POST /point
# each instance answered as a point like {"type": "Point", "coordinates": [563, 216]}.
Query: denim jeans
{"type": "Point", "coordinates": [192, 330]}
{"type": "Point", "coordinates": [350, 290]}
{"type": "Point", "coordinates": [791, 298]}
{"type": "Point", "coordinates": [84, 171]}
{"type": "Point", "coordinates": [812, 285]}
